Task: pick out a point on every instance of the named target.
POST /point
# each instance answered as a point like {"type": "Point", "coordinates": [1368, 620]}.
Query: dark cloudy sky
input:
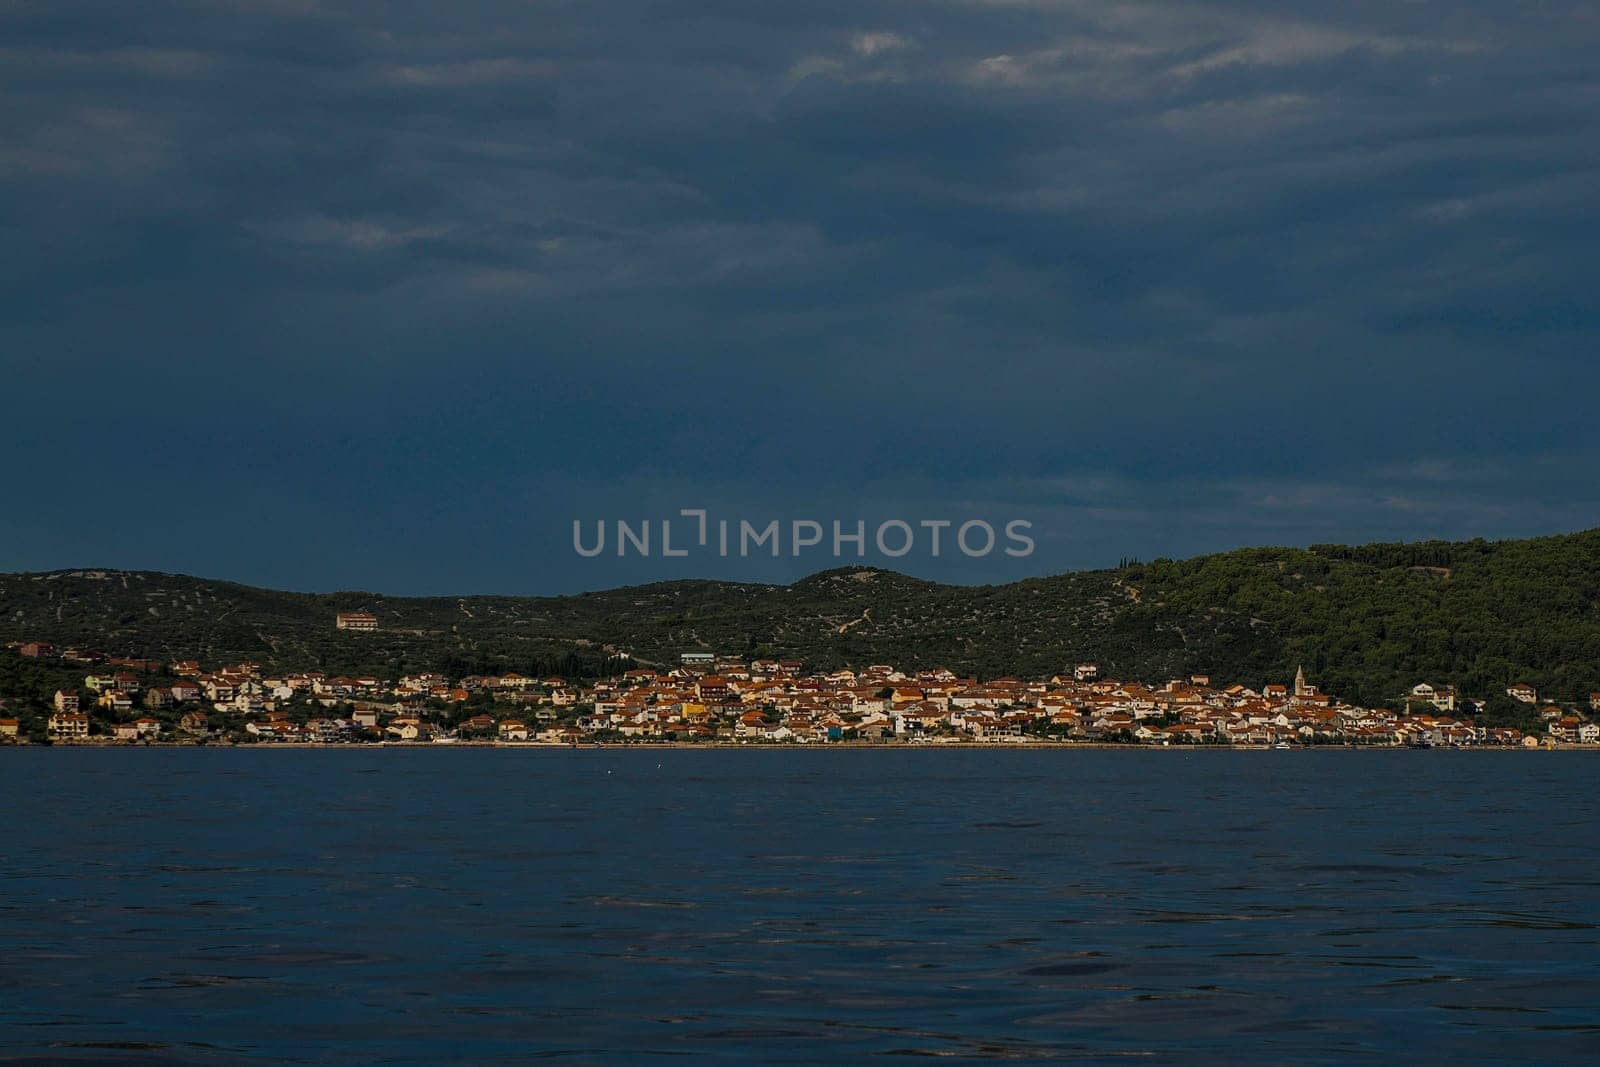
{"type": "Point", "coordinates": [328, 294]}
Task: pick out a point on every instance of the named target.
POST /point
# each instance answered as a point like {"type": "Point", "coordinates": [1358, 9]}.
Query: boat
{"type": "Point", "coordinates": [1283, 744]}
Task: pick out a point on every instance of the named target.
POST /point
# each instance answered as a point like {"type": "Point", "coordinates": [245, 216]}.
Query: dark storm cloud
{"type": "Point", "coordinates": [1173, 276]}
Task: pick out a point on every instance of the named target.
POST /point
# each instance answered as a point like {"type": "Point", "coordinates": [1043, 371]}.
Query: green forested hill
{"type": "Point", "coordinates": [1366, 621]}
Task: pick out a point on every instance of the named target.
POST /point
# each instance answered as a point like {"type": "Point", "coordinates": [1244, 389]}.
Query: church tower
{"type": "Point", "coordinates": [1300, 681]}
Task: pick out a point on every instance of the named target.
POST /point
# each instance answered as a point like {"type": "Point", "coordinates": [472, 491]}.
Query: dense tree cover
{"type": "Point", "coordinates": [1366, 621]}
{"type": "Point", "coordinates": [1369, 621]}
{"type": "Point", "coordinates": [27, 686]}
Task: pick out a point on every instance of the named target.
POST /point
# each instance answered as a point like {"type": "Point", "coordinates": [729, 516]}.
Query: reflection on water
{"type": "Point", "coordinates": [493, 906]}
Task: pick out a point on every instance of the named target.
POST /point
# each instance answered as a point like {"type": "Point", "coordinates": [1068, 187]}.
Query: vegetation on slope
{"type": "Point", "coordinates": [1366, 621]}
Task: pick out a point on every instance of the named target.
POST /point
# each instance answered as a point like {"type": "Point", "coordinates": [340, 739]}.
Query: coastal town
{"type": "Point", "coordinates": [709, 699]}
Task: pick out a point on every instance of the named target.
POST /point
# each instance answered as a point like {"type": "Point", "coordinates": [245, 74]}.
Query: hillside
{"type": "Point", "coordinates": [1366, 621]}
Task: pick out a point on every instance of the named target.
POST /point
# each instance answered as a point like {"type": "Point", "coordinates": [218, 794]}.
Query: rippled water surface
{"type": "Point", "coordinates": [619, 906]}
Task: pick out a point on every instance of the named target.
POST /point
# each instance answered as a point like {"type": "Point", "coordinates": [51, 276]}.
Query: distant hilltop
{"type": "Point", "coordinates": [1370, 622]}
